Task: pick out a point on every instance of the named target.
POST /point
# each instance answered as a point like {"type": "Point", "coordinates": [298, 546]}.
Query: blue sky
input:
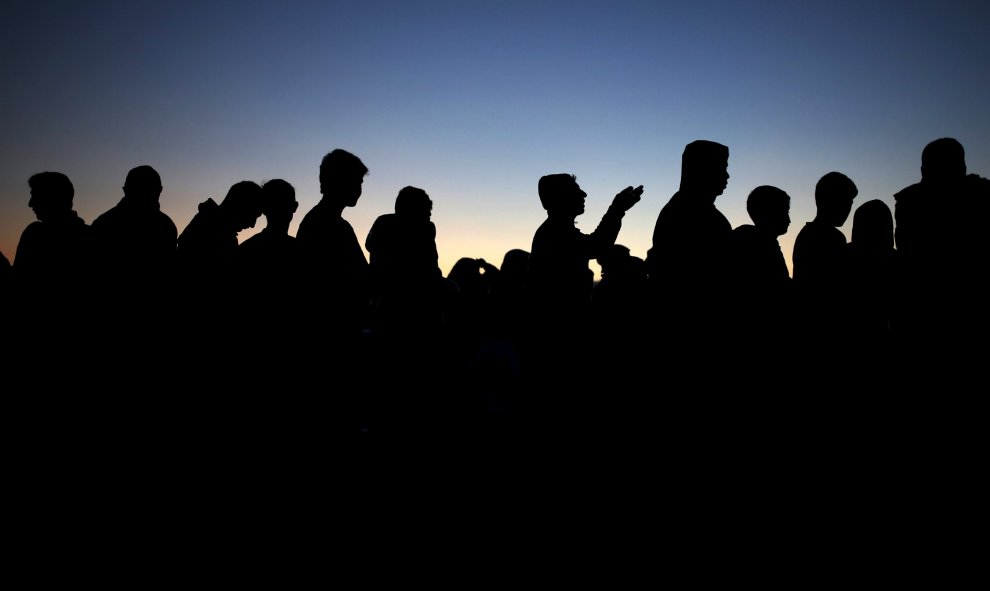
{"type": "Point", "coordinates": [474, 101]}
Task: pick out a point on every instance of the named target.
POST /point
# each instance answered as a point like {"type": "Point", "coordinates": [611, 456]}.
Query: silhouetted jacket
{"type": "Point", "coordinates": [690, 248]}
{"type": "Point", "coordinates": [54, 257]}
{"type": "Point", "coordinates": [339, 265]}
{"type": "Point", "coordinates": [135, 240]}
{"type": "Point", "coordinates": [559, 273]}
{"type": "Point", "coordinates": [405, 276]}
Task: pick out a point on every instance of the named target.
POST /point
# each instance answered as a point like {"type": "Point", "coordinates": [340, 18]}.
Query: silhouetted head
{"type": "Point", "coordinates": [560, 194]}
{"type": "Point", "coordinates": [515, 263]}
{"type": "Point", "coordinates": [614, 255]}
{"type": "Point", "coordinates": [769, 208]}
{"type": "Point", "coordinates": [834, 194]}
{"type": "Point", "coordinates": [278, 201]}
{"type": "Point", "coordinates": [413, 203]}
{"type": "Point", "coordinates": [943, 160]}
{"type": "Point", "coordinates": [705, 168]}
{"type": "Point", "coordinates": [51, 194]}
{"type": "Point", "coordinates": [466, 274]}
{"type": "Point", "coordinates": [873, 226]}
{"type": "Point", "coordinates": [143, 184]}
{"type": "Point", "coordinates": [341, 176]}
{"type": "Point", "coordinates": [242, 205]}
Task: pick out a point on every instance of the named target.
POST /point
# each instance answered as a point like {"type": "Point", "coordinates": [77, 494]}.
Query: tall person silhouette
{"type": "Point", "coordinates": [940, 233]}
{"type": "Point", "coordinates": [341, 306]}
{"type": "Point", "coordinates": [135, 244]}
{"type": "Point", "coordinates": [336, 308]}
{"type": "Point", "coordinates": [688, 261]}
{"type": "Point", "coordinates": [51, 269]}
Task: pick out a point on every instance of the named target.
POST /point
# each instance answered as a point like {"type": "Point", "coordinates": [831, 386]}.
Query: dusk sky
{"type": "Point", "coordinates": [474, 101]}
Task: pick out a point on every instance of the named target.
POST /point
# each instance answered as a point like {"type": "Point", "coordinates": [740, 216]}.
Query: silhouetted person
{"type": "Point", "coordinates": [51, 269]}
{"type": "Point", "coordinates": [874, 280]}
{"type": "Point", "coordinates": [762, 309]}
{"type": "Point", "coordinates": [335, 311]}
{"type": "Point", "coordinates": [272, 265]}
{"type": "Point", "coordinates": [52, 261]}
{"type": "Point", "coordinates": [408, 295]}
{"type": "Point", "coordinates": [509, 293]}
{"type": "Point", "coordinates": [135, 244]}
{"type": "Point", "coordinates": [207, 266]}
{"type": "Point", "coordinates": [688, 261]}
{"type": "Point", "coordinates": [272, 261]}
{"type": "Point", "coordinates": [135, 241]}
{"type": "Point", "coordinates": [818, 259]}
{"type": "Point", "coordinates": [341, 306]}
{"type": "Point", "coordinates": [561, 283]}
{"type": "Point", "coordinates": [940, 233]}
{"type": "Point", "coordinates": [406, 279]}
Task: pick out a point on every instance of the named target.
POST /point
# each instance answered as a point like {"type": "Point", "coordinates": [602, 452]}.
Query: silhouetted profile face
{"type": "Point", "coordinates": [705, 168]}
{"type": "Point", "coordinates": [561, 195]}
{"type": "Point", "coordinates": [770, 209]}
{"type": "Point", "coordinates": [342, 177]}
{"type": "Point", "coordinates": [143, 184]}
{"type": "Point", "coordinates": [51, 194]}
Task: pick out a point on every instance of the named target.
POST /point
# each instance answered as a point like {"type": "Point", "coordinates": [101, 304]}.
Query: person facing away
{"type": "Point", "coordinates": [874, 276]}
{"type": "Point", "coordinates": [272, 258]}
{"type": "Point", "coordinates": [940, 233]}
{"type": "Point", "coordinates": [688, 259]}
{"type": "Point", "coordinates": [339, 263]}
{"type": "Point", "coordinates": [405, 275]}
{"type": "Point", "coordinates": [135, 240]}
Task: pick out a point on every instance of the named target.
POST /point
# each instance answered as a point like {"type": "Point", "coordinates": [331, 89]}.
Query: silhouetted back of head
{"type": "Point", "coordinates": [943, 160]}
{"type": "Point", "coordinates": [143, 183]}
{"type": "Point", "coordinates": [515, 265]}
{"type": "Point", "coordinates": [278, 200]}
{"type": "Point", "coordinates": [413, 202]}
{"type": "Point", "coordinates": [769, 208]}
{"type": "Point", "coordinates": [51, 193]}
{"type": "Point", "coordinates": [704, 167]}
{"type": "Point", "coordinates": [834, 194]}
{"type": "Point", "coordinates": [615, 254]}
{"type": "Point", "coordinates": [873, 225]}
{"type": "Point", "coordinates": [554, 188]}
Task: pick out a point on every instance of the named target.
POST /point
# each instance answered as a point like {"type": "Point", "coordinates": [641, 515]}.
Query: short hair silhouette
{"type": "Point", "coordinates": [765, 202]}
{"type": "Point", "coordinates": [341, 163]}
{"type": "Point", "coordinates": [834, 185]}
{"type": "Point", "coordinates": [704, 161]}
{"type": "Point", "coordinates": [143, 180]}
{"type": "Point", "coordinates": [50, 191]}
{"type": "Point", "coordinates": [550, 188]}
{"type": "Point", "coordinates": [943, 159]}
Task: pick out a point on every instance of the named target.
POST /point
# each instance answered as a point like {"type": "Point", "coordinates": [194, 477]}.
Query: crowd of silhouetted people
{"type": "Point", "coordinates": [281, 336]}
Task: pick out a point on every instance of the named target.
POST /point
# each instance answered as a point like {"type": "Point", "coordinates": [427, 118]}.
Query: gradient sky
{"type": "Point", "coordinates": [474, 100]}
